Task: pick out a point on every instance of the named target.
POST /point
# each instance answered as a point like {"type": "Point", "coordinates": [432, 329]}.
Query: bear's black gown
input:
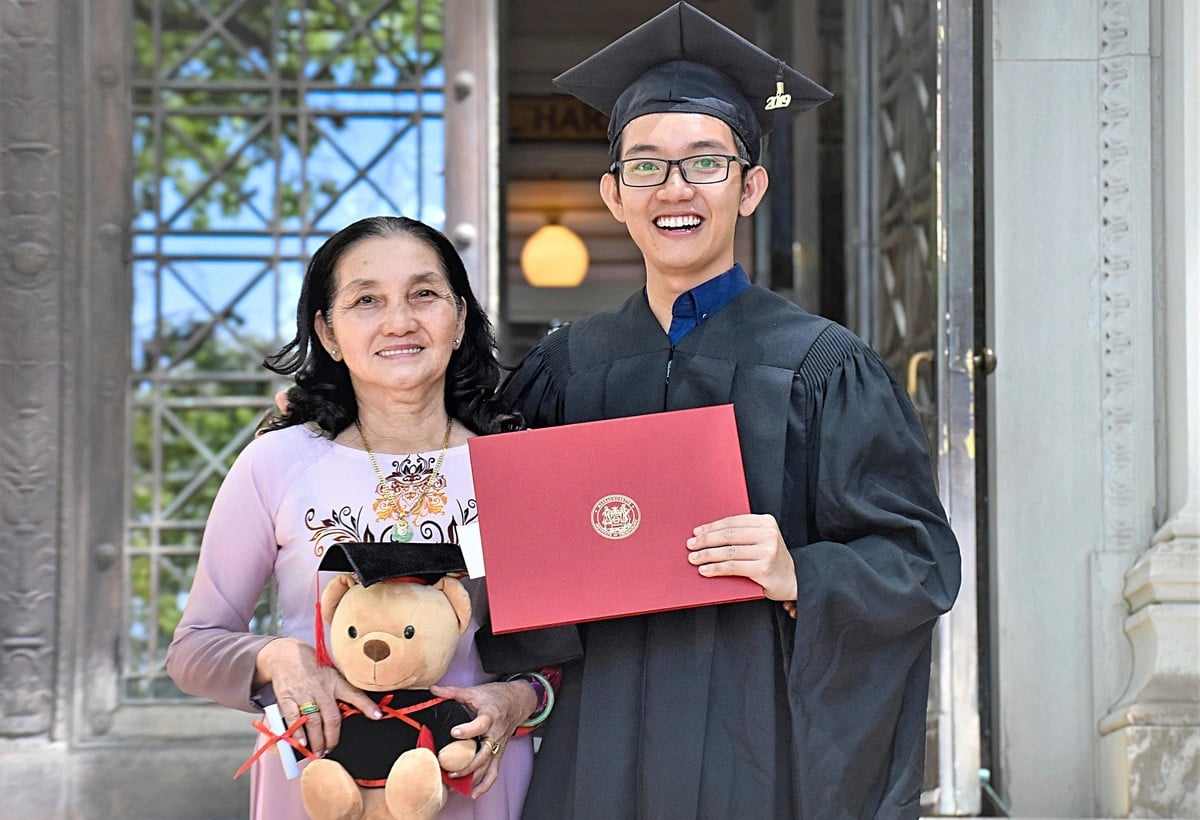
{"type": "Point", "coordinates": [368, 748]}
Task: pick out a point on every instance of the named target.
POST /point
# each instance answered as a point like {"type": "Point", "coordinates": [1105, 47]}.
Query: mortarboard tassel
{"type": "Point", "coordinates": [781, 99]}
{"type": "Point", "coordinates": [323, 657]}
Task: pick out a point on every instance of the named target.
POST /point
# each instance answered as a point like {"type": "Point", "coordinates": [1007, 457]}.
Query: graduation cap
{"type": "Point", "coordinates": [374, 561]}
{"type": "Point", "coordinates": [685, 61]}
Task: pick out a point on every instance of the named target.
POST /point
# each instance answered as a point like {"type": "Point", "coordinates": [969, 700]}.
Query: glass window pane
{"type": "Point", "coordinates": [258, 130]}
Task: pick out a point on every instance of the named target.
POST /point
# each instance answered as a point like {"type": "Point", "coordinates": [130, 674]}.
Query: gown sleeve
{"type": "Point", "coordinates": [880, 566]}
{"type": "Point", "coordinates": [213, 653]}
{"type": "Point", "coordinates": [537, 388]}
{"type": "Point", "coordinates": [528, 651]}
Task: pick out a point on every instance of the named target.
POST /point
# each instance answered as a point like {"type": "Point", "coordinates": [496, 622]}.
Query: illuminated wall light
{"type": "Point", "coordinates": [554, 257]}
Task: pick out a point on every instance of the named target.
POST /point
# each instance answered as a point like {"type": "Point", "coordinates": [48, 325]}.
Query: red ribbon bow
{"type": "Point", "coordinates": [289, 737]}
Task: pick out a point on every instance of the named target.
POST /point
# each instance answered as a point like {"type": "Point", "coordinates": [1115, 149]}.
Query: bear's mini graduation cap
{"type": "Point", "coordinates": [374, 561]}
{"type": "Point", "coordinates": [685, 61]}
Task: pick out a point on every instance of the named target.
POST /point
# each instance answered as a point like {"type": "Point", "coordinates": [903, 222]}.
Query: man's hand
{"type": "Point", "coordinates": [499, 709]}
{"type": "Point", "coordinates": [747, 545]}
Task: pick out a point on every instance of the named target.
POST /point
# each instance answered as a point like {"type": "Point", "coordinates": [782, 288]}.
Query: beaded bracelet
{"type": "Point", "coordinates": [545, 695]}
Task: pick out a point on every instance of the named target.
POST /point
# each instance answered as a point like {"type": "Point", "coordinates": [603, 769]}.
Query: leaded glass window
{"type": "Point", "coordinates": [260, 127]}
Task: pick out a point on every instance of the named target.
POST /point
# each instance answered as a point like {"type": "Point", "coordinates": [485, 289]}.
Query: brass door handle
{"type": "Point", "coordinates": [985, 361]}
{"type": "Point", "coordinates": [914, 364]}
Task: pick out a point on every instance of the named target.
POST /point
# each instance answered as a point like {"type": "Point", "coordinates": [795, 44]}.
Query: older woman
{"type": "Point", "coordinates": [395, 369]}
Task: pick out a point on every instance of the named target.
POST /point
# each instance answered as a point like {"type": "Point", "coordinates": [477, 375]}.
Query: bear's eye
{"type": "Point", "coordinates": [352, 632]}
{"type": "Point", "coordinates": [409, 631]}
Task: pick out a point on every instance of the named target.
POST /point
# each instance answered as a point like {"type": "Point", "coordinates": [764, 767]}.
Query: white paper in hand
{"type": "Point", "coordinates": [286, 756]}
{"type": "Point", "coordinates": [472, 548]}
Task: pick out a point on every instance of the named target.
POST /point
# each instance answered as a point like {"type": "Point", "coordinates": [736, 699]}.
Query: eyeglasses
{"type": "Point", "coordinates": [702, 169]}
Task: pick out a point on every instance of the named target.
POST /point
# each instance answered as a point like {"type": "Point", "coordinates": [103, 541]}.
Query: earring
{"type": "Point", "coordinates": [456, 341]}
{"type": "Point", "coordinates": [333, 353]}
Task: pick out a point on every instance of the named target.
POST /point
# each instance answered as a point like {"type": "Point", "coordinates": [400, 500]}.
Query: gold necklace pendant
{"type": "Point", "coordinates": [402, 533]}
{"type": "Point", "coordinates": [402, 530]}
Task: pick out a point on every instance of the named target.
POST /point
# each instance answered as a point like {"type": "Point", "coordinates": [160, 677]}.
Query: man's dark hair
{"type": "Point", "coordinates": [323, 393]}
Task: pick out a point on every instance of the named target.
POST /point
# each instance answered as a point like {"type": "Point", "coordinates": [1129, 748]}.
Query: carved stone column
{"type": "Point", "coordinates": [31, 230]}
{"type": "Point", "coordinates": [1151, 738]}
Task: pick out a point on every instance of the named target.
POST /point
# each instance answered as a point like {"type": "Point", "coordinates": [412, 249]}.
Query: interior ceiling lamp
{"type": "Point", "coordinates": [554, 257]}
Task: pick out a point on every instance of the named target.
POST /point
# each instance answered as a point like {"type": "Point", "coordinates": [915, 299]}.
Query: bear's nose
{"type": "Point", "coordinates": [376, 650]}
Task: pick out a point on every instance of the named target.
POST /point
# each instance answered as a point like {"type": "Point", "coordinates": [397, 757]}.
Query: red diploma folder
{"type": "Point", "coordinates": [590, 521]}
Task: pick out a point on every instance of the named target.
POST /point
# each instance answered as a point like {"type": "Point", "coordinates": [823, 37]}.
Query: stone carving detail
{"type": "Point", "coordinates": [1119, 444]}
{"type": "Point", "coordinates": [30, 369]}
{"type": "Point", "coordinates": [1150, 738]}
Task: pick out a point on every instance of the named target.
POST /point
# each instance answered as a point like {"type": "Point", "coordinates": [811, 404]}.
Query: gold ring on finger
{"type": "Point", "coordinates": [492, 745]}
{"type": "Point", "coordinates": [309, 707]}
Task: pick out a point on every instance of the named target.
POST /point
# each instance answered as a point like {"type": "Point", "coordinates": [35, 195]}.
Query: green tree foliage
{"type": "Point", "coordinates": [216, 73]}
{"type": "Point", "coordinates": [180, 428]}
{"type": "Point", "coordinates": [194, 415]}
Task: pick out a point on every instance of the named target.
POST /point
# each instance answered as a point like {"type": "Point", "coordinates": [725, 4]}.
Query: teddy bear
{"type": "Point", "coordinates": [392, 639]}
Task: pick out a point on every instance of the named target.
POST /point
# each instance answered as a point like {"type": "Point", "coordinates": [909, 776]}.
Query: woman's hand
{"type": "Point", "coordinates": [499, 709]}
{"type": "Point", "coordinates": [291, 667]}
{"type": "Point", "coordinates": [748, 545]}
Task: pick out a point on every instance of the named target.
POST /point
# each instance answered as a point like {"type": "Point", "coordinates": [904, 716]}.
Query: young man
{"type": "Point", "coordinates": [811, 702]}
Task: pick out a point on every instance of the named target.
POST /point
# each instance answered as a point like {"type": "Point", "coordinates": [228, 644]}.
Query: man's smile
{"type": "Point", "coordinates": [685, 222]}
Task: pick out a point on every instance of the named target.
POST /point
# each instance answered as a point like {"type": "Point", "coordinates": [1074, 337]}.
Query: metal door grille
{"type": "Point", "coordinates": [260, 128]}
{"type": "Point", "coordinates": [904, 319]}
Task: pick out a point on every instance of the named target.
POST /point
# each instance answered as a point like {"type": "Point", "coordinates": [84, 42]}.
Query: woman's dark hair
{"type": "Point", "coordinates": [323, 393]}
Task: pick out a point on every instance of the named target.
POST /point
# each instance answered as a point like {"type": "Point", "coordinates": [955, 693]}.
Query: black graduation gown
{"type": "Point", "coordinates": [737, 711]}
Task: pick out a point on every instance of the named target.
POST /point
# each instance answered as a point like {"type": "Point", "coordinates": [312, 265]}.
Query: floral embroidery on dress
{"type": "Point", "coordinates": [408, 481]}
{"type": "Point", "coordinates": [346, 524]}
{"type": "Point", "coordinates": [341, 526]}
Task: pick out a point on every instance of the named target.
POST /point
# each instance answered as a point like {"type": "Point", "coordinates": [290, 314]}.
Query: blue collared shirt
{"type": "Point", "coordinates": [694, 306]}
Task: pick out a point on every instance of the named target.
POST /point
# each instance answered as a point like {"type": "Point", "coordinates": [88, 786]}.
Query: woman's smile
{"type": "Point", "coordinates": [395, 352]}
